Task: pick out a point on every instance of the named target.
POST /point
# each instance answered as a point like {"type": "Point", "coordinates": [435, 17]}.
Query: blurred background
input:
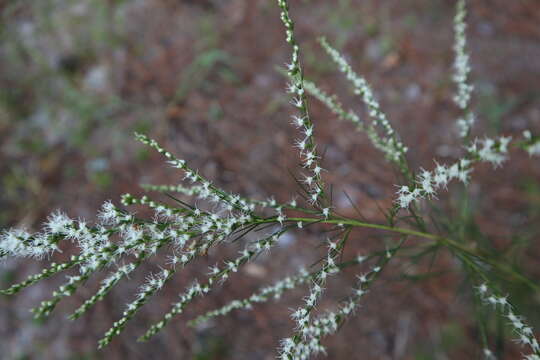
{"type": "Point", "coordinates": [77, 78]}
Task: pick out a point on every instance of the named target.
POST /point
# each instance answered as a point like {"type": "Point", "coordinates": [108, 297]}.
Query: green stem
{"type": "Point", "coordinates": [453, 245]}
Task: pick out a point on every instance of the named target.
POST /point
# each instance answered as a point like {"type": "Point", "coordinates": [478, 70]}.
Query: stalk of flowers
{"type": "Point", "coordinates": [216, 275]}
{"type": "Point", "coordinates": [389, 143]}
{"type": "Point", "coordinates": [19, 243]}
{"type": "Point", "coordinates": [488, 150]}
{"type": "Point", "coordinates": [482, 328]}
{"type": "Point", "coordinates": [98, 252]}
{"type": "Point", "coordinates": [46, 273]}
{"type": "Point", "coordinates": [274, 291]}
{"type": "Point", "coordinates": [209, 222]}
{"type": "Point", "coordinates": [481, 318]}
{"type": "Point", "coordinates": [310, 343]}
{"type": "Point", "coordinates": [53, 269]}
{"type": "Point", "coordinates": [302, 315]}
{"type": "Point", "coordinates": [155, 283]}
{"type": "Point", "coordinates": [302, 121]}
{"type": "Point", "coordinates": [134, 240]}
{"type": "Point", "coordinates": [161, 209]}
{"type": "Point", "coordinates": [60, 227]}
{"type": "Point", "coordinates": [464, 124]}
{"type": "Point", "coordinates": [334, 105]}
{"type": "Point", "coordinates": [196, 190]}
{"type": "Point", "coordinates": [108, 283]}
{"type": "Point", "coordinates": [209, 191]}
{"type": "Point", "coordinates": [183, 218]}
{"type": "Point", "coordinates": [523, 332]}
{"type": "Point", "coordinates": [203, 193]}
{"type": "Point", "coordinates": [484, 294]}
{"type": "Point", "coordinates": [462, 68]}
{"type": "Point", "coordinates": [65, 290]}
{"type": "Point", "coordinates": [213, 228]}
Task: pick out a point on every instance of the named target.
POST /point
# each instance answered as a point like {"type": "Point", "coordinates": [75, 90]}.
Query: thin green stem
{"type": "Point", "coordinates": [452, 244]}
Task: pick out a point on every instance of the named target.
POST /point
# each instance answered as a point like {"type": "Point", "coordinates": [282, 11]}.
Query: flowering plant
{"type": "Point", "coordinates": [122, 239]}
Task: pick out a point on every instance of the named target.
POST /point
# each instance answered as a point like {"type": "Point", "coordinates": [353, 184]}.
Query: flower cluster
{"type": "Point", "coordinates": [153, 284]}
{"type": "Point", "coordinates": [119, 242]}
{"type": "Point", "coordinates": [207, 190]}
{"type": "Point", "coordinates": [216, 274]}
{"type": "Point", "coordinates": [19, 243]}
{"type": "Point", "coordinates": [213, 229]}
{"type": "Point", "coordinates": [202, 193]}
{"type": "Point", "coordinates": [334, 105]}
{"type": "Point", "coordinates": [389, 143]}
{"type": "Point", "coordinates": [306, 144]}
{"type": "Point", "coordinates": [107, 285]}
{"type": "Point", "coordinates": [465, 123]}
{"type": "Point", "coordinates": [119, 235]}
{"type": "Point", "coordinates": [96, 250]}
{"type": "Point", "coordinates": [524, 333]}
{"type": "Point", "coordinates": [303, 347]}
{"type": "Point", "coordinates": [302, 315]}
{"type": "Point", "coordinates": [461, 62]}
{"type": "Point", "coordinates": [427, 184]}
{"type": "Point", "coordinates": [275, 291]}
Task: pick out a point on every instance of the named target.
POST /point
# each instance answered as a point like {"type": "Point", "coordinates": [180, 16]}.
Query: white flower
{"type": "Point", "coordinates": [426, 182]}
{"type": "Point", "coordinates": [326, 212]}
{"type": "Point", "coordinates": [406, 197]}
{"type": "Point", "coordinates": [108, 213]}
{"type": "Point", "coordinates": [489, 152]}
{"type": "Point", "coordinates": [298, 121]}
{"type": "Point", "coordinates": [309, 180]}
{"type": "Point", "coordinates": [58, 223]}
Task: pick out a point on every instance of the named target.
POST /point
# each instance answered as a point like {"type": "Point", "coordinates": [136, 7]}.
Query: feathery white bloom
{"type": "Point", "coordinates": [108, 214]}
{"type": "Point", "coordinates": [406, 196]}
{"type": "Point", "coordinates": [19, 243]}
{"type": "Point", "coordinates": [426, 182]}
{"type": "Point", "coordinates": [58, 223]}
{"type": "Point", "coordinates": [491, 151]}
